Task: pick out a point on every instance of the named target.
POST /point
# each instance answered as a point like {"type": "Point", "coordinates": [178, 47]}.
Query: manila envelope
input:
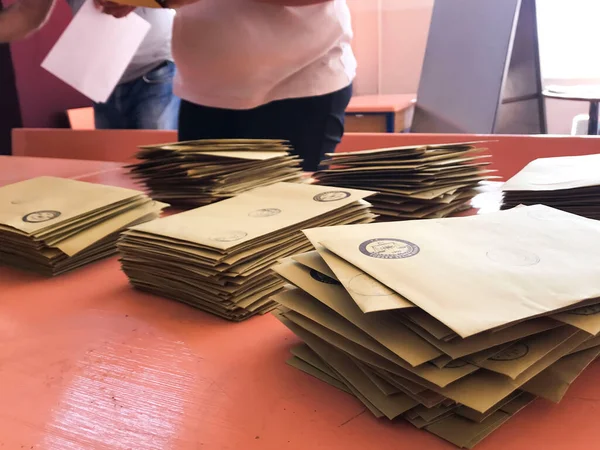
{"type": "Point", "coordinates": [78, 242]}
{"type": "Point", "coordinates": [586, 318]}
{"type": "Point", "coordinates": [384, 386]}
{"type": "Point", "coordinates": [551, 174]}
{"type": "Point", "coordinates": [482, 390]}
{"type": "Point", "coordinates": [516, 359]}
{"type": "Point", "coordinates": [525, 266]}
{"type": "Point", "coordinates": [24, 207]}
{"type": "Point", "coordinates": [392, 406]}
{"type": "Point", "coordinates": [314, 261]}
{"type": "Point", "coordinates": [368, 293]}
{"type": "Point", "coordinates": [370, 352]}
{"type": "Point", "coordinates": [466, 434]}
{"type": "Point", "coordinates": [309, 369]}
{"type": "Point", "coordinates": [553, 383]}
{"type": "Point", "coordinates": [254, 214]}
{"type": "Point", "coordinates": [383, 328]}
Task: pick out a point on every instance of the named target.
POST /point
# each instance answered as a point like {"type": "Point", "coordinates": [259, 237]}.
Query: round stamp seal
{"type": "Point", "coordinates": [41, 216]}
{"type": "Point", "coordinates": [265, 212]}
{"type": "Point", "coordinates": [388, 248]}
{"type": "Point", "coordinates": [229, 236]}
{"type": "Point", "coordinates": [367, 286]}
{"type": "Point", "coordinates": [512, 353]}
{"type": "Point", "coordinates": [331, 196]}
{"type": "Point", "coordinates": [456, 364]}
{"type": "Point", "coordinates": [322, 278]}
{"type": "Point", "coordinates": [586, 310]}
{"type": "Point", "coordinates": [513, 257]}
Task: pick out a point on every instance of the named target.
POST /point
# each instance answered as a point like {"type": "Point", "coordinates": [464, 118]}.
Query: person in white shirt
{"type": "Point", "coordinates": [280, 69]}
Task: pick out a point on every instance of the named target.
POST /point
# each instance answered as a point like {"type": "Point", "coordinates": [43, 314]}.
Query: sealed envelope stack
{"type": "Point", "coordinates": [218, 257]}
{"type": "Point", "coordinates": [419, 182]}
{"type": "Point", "coordinates": [455, 324]}
{"type": "Point", "coordinates": [197, 173]}
{"type": "Point", "coordinates": [568, 183]}
{"type": "Point", "coordinates": [53, 225]}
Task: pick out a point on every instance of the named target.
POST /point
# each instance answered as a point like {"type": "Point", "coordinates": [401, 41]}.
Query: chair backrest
{"type": "Point", "coordinates": [99, 145]}
{"type": "Point", "coordinates": [510, 153]}
{"type": "Point", "coordinates": [81, 118]}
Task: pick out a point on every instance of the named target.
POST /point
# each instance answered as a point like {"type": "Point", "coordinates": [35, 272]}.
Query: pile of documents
{"type": "Point", "coordinates": [197, 173]}
{"type": "Point", "coordinates": [218, 257]}
{"type": "Point", "coordinates": [54, 225]}
{"type": "Point", "coordinates": [419, 182]}
{"type": "Point", "coordinates": [454, 324]}
{"type": "Point", "coordinates": [568, 183]}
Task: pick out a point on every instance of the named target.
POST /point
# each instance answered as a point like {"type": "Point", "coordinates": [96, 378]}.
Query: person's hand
{"type": "Point", "coordinates": [114, 9]}
{"type": "Point", "coordinates": [174, 4]}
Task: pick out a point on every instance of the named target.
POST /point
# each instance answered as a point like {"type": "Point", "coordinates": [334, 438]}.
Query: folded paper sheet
{"type": "Point", "coordinates": [94, 51]}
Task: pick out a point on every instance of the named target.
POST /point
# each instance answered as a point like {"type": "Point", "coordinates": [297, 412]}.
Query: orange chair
{"type": "Point", "coordinates": [81, 118]}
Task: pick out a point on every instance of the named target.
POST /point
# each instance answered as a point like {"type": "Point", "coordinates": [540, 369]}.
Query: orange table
{"type": "Point", "coordinates": [87, 363]}
{"type": "Point", "coordinates": [380, 113]}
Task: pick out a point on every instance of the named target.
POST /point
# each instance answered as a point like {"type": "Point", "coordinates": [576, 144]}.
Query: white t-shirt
{"type": "Point", "coordinates": [240, 54]}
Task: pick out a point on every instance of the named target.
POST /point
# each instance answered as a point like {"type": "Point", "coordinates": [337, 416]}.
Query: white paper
{"type": "Point", "coordinates": [94, 51]}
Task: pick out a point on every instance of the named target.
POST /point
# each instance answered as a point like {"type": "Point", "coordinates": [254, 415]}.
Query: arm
{"type": "Point", "coordinates": [23, 17]}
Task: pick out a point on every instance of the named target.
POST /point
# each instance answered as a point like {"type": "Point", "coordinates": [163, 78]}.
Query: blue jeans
{"type": "Point", "coordinates": [144, 103]}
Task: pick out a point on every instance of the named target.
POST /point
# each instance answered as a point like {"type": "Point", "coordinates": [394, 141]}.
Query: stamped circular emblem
{"type": "Point", "coordinates": [40, 216]}
{"type": "Point", "coordinates": [266, 212]}
{"type": "Point", "coordinates": [367, 286]}
{"type": "Point", "coordinates": [586, 310]}
{"type": "Point", "coordinates": [230, 236]}
{"type": "Point", "coordinates": [388, 248]}
{"type": "Point", "coordinates": [456, 364]}
{"type": "Point", "coordinates": [513, 257]}
{"type": "Point", "coordinates": [331, 196]}
{"type": "Point", "coordinates": [512, 353]}
{"type": "Point", "coordinates": [322, 278]}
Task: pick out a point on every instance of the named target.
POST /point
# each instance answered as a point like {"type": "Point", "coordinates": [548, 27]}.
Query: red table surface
{"type": "Point", "coordinates": [86, 362]}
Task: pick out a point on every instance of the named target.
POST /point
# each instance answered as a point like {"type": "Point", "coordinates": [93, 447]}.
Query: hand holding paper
{"type": "Point", "coordinates": [94, 51]}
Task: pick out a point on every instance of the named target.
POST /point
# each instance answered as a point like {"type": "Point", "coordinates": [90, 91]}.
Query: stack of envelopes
{"type": "Point", "coordinates": [54, 225]}
{"type": "Point", "coordinates": [568, 183]}
{"type": "Point", "coordinates": [418, 182]}
{"type": "Point", "coordinates": [197, 173]}
{"type": "Point", "coordinates": [218, 257]}
{"type": "Point", "coordinates": [452, 324]}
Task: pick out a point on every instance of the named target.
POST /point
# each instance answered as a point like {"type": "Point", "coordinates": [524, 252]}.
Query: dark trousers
{"type": "Point", "coordinates": [313, 125]}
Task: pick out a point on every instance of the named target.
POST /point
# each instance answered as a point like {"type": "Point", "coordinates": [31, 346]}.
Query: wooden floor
{"type": "Point", "coordinates": [88, 363]}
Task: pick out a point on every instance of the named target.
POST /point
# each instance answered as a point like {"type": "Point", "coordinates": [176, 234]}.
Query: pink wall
{"type": "Point", "coordinates": [43, 98]}
{"type": "Point", "coordinates": [390, 40]}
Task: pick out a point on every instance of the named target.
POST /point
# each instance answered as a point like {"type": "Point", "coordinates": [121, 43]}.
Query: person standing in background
{"type": "Point", "coordinates": [144, 97]}
{"type": "Point", "coordinates": [280, 69]}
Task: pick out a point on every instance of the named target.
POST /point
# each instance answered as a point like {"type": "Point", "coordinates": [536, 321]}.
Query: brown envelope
{"type": "Point", "coordinates": [527, 254]}
{"type": "Point", "coordinates": [20, 202]}
{"type": "Point", "coordinates": [586, 318]}
{"type": "Point", "coordinates": [298, 363]}
{"type": "Point", "coordinates": [516, 359]}
{"type": "Point", "coordinates": [252, 215]}
{"type": "Point", "coordinates": [383, 328]}
{"type": "Point", "coordinates": [552, 383]}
